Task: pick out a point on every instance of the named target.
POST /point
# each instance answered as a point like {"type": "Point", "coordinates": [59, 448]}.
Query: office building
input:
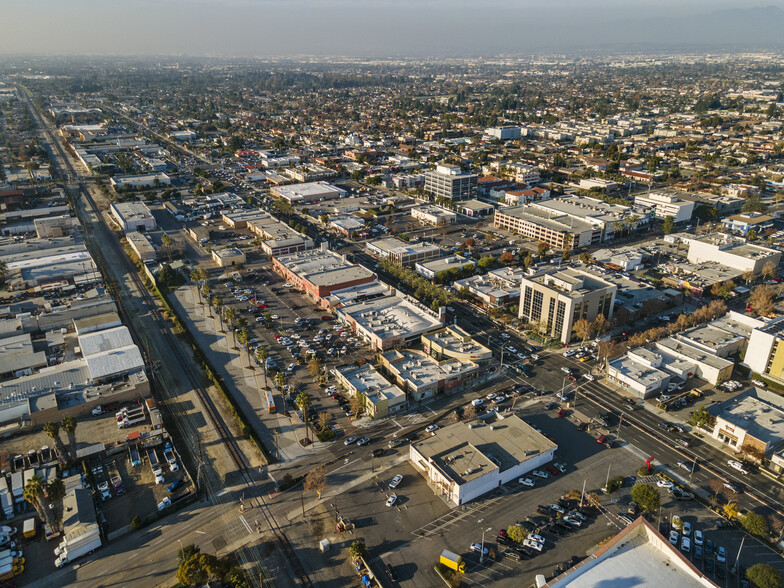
{"type": "Point", "coordinates": [277, 237]}
{"type": "Point", "coordinates": [310, 192]}
{"type": "Point", "coordinates": [451, 183]}
{"type": "Point", "coordinates": [453, 342]}
{"type": "Point", "coordinates": [495, 289]}
{"type": "Point", "coordinates": [748, 221]}
{"type": "Point", "coordinates": [379, 397]}
{"type": "Point", "coordinates": [401, 252]}
{"type": "Point", "coordinates": [430, 269]}
{"type": "Point", "coordinates": [558, 298]}
{"type": "Point", "coordinates": [503, 133]}
{"type": "Point", "coordinates": [752, 420]}
{"type": "Point", "coordinates": [765, 352]}
{"type": "Point", "coordinates": [228, 256]}
{"type": "Point", "coordinates": [667, 203]}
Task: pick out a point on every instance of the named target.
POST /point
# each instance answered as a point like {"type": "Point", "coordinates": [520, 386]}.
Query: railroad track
{"type": "Point", "coordinates": [224, 434]}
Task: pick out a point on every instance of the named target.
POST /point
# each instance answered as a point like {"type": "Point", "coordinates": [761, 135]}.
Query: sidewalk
{"type": "Point", "coordinates": [231, 365]}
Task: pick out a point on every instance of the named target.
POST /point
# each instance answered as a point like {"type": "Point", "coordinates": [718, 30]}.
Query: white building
{"type": "Point", "coordinates": [142, 181]}
{"type": "Point", "coordinates": [133, 216]}
{"type": "Point", "coordinates": [433, 215]}
{"type": "Point", "coordinates": [464, 461]}
{"type": "Point", "coordinates": [667, 204]}
{"type": "Point", "coordinates": [450, 182]}
{"type": "Point", "coordinates": [503, 133]}
{"type": "Point", "coordinates": [429, 269]}
{"type": "Point", "coordinates": [732, 252]}
{"type": "Point", "coordinates": [310, 192]}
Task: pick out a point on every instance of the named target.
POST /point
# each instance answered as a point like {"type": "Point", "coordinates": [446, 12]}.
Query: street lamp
{"type": "Point", "coordinates": [482, 550]}
{"type": "Point", "coordinates": [182, 551]}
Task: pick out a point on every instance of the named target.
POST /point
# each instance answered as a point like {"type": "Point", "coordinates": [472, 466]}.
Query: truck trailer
{"type": "Point", "coordinates": [76, 547]}
{"type": "Point", "coordinates": [155, 465]}
{"type": "Point", "coordinates": [452, 561]}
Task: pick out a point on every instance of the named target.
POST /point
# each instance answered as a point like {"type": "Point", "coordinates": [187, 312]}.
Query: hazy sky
{"type": "Point", "coordinates": [331, 27]}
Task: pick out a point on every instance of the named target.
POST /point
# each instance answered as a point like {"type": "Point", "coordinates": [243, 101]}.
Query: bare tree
{"type": "Point", "coordinates": [316, 480]}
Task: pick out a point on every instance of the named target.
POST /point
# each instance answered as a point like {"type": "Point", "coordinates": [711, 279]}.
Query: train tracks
{"type": "Point", "coordinates": [220, 427]}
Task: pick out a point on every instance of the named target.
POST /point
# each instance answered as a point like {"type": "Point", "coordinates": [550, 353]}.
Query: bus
{"type": "Point", "coordinates": [270, 401]}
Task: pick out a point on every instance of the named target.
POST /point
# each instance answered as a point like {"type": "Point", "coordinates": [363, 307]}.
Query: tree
{"type": "Point", "coordinates": [167, 242]}
{"type": "Point", "coordinates": [668, 226]}
{"type": "Point", "coordinates": [357, 404]}
{"type": "Point", "coordinates": [703, 419]}
{"type": "Point", "coordinates": [516, 533]}
{"type": "Point", "coordinates": [585, 258]}
{"type": "Point", "coordinates": [583, 329]}
{"type": "Point", "coordinates": [357, 549]}
{"type": "Point", "coordinates": [748, 276]}
{"type": "Point", "coordinates": [542, 248]}
{"type": "Point", "coordinates": [731, 510]}
{"type": "Point", "coordinates": [262, 353]}
{"type": "Point", "coordinates": [324, 420]}
{"type": "Point", "coordinates": [230, 315]}
{"type": "Point", "coordinates": [316, 480]}
{"type": "Point", "coordinates": [55, 493]}
{"type": "Point", "coordinates": [600, 325]}
{"type": "Point", "coordinates": [764, 576]}
{"type": "Point", "coordinates": [68, 425]}
{"type": "Point", "coordinates": [35, 493]}
{"type": "Point", "coordinates": [196, 278]}
{"type": "Point", "coordinates": [528, 260]}
{"type": "Point", "coordinates": [755, 524]}
{"type": "Point", "coordinates": [762, 299]}
{"type": "Point", "coordinates": [723, 289]}
{"type": "Point", "coordinates": [751, 235]}
{"type": "Point", "coordinates": [507, 257]}
{"type": "Point", "coordinates": [53, 431]}
{"type": "Point", "coordinates": [303, 401]}
{"type": "Point", "coordinates": [243, 337]}
{"type": "Point", "coordinates": [205, 292]}
{"type": "Point", "coordinates": [469, 412]}
{"type": "Point", "coordinates": [768, 269]}
{"type": "Point", "coordinates": [217, 304]}
{"type": "Point", "coordinates": [3, 270]}
{"type": "Point", "coordinates": [647, 496]}
{"type": "Point", "coordinates": [314, 367]}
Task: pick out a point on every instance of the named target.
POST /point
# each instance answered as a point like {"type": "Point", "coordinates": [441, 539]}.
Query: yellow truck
{"type": "Point", "coordinates": [452, 561]}
{"type": "Point", "coordinates": [28, 530]}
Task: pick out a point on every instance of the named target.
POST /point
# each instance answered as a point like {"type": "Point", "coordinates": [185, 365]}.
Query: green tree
{"type": "Point", "coordinates": [703, 419]}
{"type": "Point", "coordinates": [230, 315]}
{"type": "Point", "coordinates": [516, 533]}
{"type": "Point", "coordinates": [764, 576]}
{"type": "Point", "coordinates": [647, 496]}
{"type": "Point", "coordinates": [68, 424]}
{"type": "Point", "coordinates": [528, 261]}
{"type": "Point", "coordinates": [668, 226]}
{"type": "Point", "coordinates": [35, 493]}
{"type": "Point", "coordinates": [217, 304]}
{"type": "Point", "coordinates": [55, 493]}
{"type": "Point", "coordinates": [243, 337]}
{"type": "Point", "coordinates": [755, 524]}
{"type": "Point", "coordinates": [314, 367]}
{"type": "Point", "coordinates": [262, 353]}
{"type": "Point", "coordinates": [751, 235]}
{"type": "Point", "coordinates": [53, 431]}
{"type": "Point", "coordinates": [542, 248]}
{"type": "Point", "coordinates": [357, 549]}
{"type": "Point", "coordinates": [167, 242]}
{"type": "Point", "coordinates": [205, 292]}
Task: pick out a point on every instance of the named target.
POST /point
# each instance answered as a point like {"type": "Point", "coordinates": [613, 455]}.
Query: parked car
{"type": "Point", "coordinates": [528, 482]}
{"type": "Point", "coordinates": [391, 500]}
{"type": "Point", "coordinates": [396, 481]}
{"type": "Point", "coordinates": [540, 474]}
{"type": "Point", "coordinates": [478, 548]}
{"type": "Point", "coordinates": [431, 428]}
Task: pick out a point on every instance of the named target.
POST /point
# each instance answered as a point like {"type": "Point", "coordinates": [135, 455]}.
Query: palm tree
{"type": "Point", "coordinates": [229, 315]}
{"type": "Point", "coordinates": [206, 291]}
{"type": "Point", "coordinates": [55, 493]}
{"type": "Point", "coordinates": [217, 304]}
{"type": "Point", "coordinates": [196, 278]}
{"type": "Point", "coordinates": [261, 356]}
{"type": "Point", "coordinates": [303, 401]}
{"type": "Point", "coordinates": [53, 430]}
{"type": "Point", "coordinates": [68, 425]}
{"type": "Point", "coordinates": [243, 337]}
{"type": "Point", "coordinates": [167, 242]}
{"type": "Point", "coordinates": [35, 493]}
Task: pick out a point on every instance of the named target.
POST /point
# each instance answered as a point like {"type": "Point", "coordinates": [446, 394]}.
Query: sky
{"type": "Point", "coordinates": [361, 28]}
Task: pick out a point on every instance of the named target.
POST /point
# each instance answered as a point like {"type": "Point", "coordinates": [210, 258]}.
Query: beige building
{"type": "Point", "coordinates": [141, 246]}
{"type": "Point", "coordinates": [455, 343]}
{"type": "Point", "coordinates": [379, 397]}
{"type": "Point", "coordinates": [436, 216]}
{"type": "Point", "coordinates": [732, 252]}
{"type": "Point", "coordinates": [558, 298]}
{"type": "Point", "coordinates": [401, 252]}
{"type": "Point", "coordinates": [422, 376]}
{"type": "Point", "coordinates": [228, 257]}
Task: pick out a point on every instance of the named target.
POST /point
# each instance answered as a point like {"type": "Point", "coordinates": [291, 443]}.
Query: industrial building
{"type": "Point", "coordinates": [133, 216]}
{"type": "Point", "coordinates": [464, 461]}
{"type": "Point", "coordinates": [558, 298]}
{"type": "Point", "coordinates": [732, 252]}
{"type": "Point", "coordinates": [141, 181]}
{"type": "Point", "coordinates": [310, 192]}
{"type": "Point", "coordinates": [140, 244]}
{"type": "Point", "coordinates": [228, 256]}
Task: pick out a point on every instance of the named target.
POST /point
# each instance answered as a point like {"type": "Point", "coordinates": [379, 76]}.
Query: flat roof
{"type": "Point", "coordinates": [307, 190]}
{"type": "Point", "coordinates": [474, 204]}
{"type": "Point", "coordinates": [457, 339]}
{"type": "Point", "coordinates": [391, 316]}
{"type": "Point", "coordinates": [709, 336]}
{"type": "Point", "coordinates": [397, 246]}
{"type": "Point", "coordinates": [590, 209]}
{"type": "Point", "coordinates": [544, 218]}
{"type": "Point", "coordinates": [366, 380]}
{"type": "Point", "coordinates": [106, 340]}
{"type": "Point", "coordinates": [421, 370]}
{"type": "Point", "coordinates": [692, 353]}
{"type": "Point", "coordinates": [637, 557]}
{"type": "Point", "coordinates": [323, 268]}
{"type": "Point", "coordinates": [445, 263]}
{"type": "Point", "coordinates": [466, 451]}
{"type": "Point", "coordinates": [638, 372]}
{"type": "Point", "coordinates": [759, 412]}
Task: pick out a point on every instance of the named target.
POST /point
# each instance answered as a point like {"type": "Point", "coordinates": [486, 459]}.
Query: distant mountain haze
{"type": "Point", "coordinates": [378, 28]}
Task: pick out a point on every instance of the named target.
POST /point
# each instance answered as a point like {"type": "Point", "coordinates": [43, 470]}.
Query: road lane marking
{"type": "Point", "coordinates": [134, 555]}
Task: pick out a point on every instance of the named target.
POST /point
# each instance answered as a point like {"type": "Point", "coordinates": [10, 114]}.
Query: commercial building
{"type": "Point", "coordinates": [309, 192]}
{"type": "Point", "coordinates": [49, 263]}
{"type": "Point", "coordinates": [503, 133]}
{"type": "Point", "coordinates": [429, 269]}
{"type": "Point", "coordinates": [765, 352]}
{"type": "Point", "coordinates": [453, 342]}
{"type": "Point", "coordinates": [707, 366]}
{"type": "Point", "coordinates": [347, 224]}
{"type": "Point", "coordinates": [142, 181]}
{"type": "Point", "coordinates": [732, 252]}
{"type": "Point", "coordinates": [54, 226]}
{"type": "Point", "coordinates": [389, 321]}
{"type": "Point", "coordinates": [495, 289]}
{"type": "Point", "coordinates": [522, 173]}
{"type": "Point", "coordinates": [747, 221]}
{"type": "Point", "coordinates": [450, 182]}
{"type": "Point", "coordinates": [319, 272]}
{"type": "Point", "coordinates": [464, 461]}
{"type": "Point", "coordinates": [379, 397]}
{"type": "Point", "coordinates": [751, 420]}
{"type": "Point", "coordinates": [667, 203]}
{"type": "Point", "coordinates": [639, 372]}
{"type": "Point", "coordinates": [133, 216]}
{"type": "Point", "coordinates": [277, 237]}
{"type": "Point", "coordinates": [558, 298]}
{"type": "Point", "coordinates": [402, 253]}
{"type": "Point", "coordinates": [604, 217]}
{"type": "Point", "coordinates": [422, 376]}
{"type": "Point", "coordinates": [228, 257]}
{"type": "Point", "coordinates": [18, 357]}
{"type": "Point", "coordinates": [638, 556]}
{"type": "Point", "coordinates": [560, 232]}
{"type": "Point", "coordinates": [436, 216]}
{"type": "Point", "coordinates": [475, 208]}
{"type": "Point", "coordinates": [141, 245]}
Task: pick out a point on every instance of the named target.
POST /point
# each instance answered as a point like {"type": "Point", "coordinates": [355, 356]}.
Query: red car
{"type": "Point", "coordinates": [327, 317]}
{"type": "Point", "coordinates": [562, 413]}
{"type": "Point", "coordinates": [552, 470]}
{"type": "Point", "coordinates": [601, 438]}
{"type": "Point", "coordinates": [572, 378]}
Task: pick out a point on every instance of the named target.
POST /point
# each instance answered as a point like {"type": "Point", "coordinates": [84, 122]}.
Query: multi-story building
{"type": "Point", "coordinates": [751, 422]}
{"type": "Point", "coordinates": [450, 182]}
{"type": "Point", "coordinates": [558, 298]}
{"type": "Point", "coordinates": [561, 231]}
{"type": "Point", "coordinates": [496, 288]}
{"type": "Point", "coordinates": [403, 253]}
{"type": "Point", "coordinates": [503, 133]}
{"type": "Point", "coordinates": [732, 252]}
{"type": "Point", "coordinates": [765, 352]}
{"type": "Point", "coordinates": [748, 221]}
{"type": "Point", "coordinates": [455, 343]}
{"type": "Point", "coordinates": [277, 237]}
{"type": "Point", "coordinates": [422, 376]}
{"type": "Point", "coordinates": [667, 203]}
{"type": "Point", "coordinates": [379, 397]}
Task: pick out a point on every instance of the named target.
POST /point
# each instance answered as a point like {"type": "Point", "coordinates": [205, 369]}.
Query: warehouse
{"type": "Point", "coordinates": [310, 192]}
{"type": "Point", "coordinates": [133, 216]}
{"type": "Point", "coordinates": [464, 461]}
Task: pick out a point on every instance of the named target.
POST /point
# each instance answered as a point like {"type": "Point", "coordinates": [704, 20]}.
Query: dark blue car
{"type": "Point", "coordinates": [174, 485]}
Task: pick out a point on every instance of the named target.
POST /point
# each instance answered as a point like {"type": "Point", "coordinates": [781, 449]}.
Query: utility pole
{"type": "Point", "coordinates": [582, 495]}
{"type": "Point", "coordinates": [607, 483]}
{"type": "Point", "coordinates": [734, 569]}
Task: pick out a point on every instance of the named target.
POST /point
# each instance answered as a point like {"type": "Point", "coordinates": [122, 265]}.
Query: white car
{"type": "Point", "coordinates": [396, 481]}
{"type": "Point", "coordinates": [738, 466]}
{"type": "Point", "coordinates": [165, 503]}
{"type": "Point", "coordinates": [557, 508]}
{"type": "Point", "coordinates": [759, 383]}
{"type": "Point", "coordinates": [573, 521]}
{"type": "Point", "coordinates": [589, 377]}
{"type": "Point", "coordinates": [566, 370]}
{"type": "Point", "coordinates": [560, 467]}
{"type": "Point", "coordinates": [477, 402]}
{"type": "Point", "coordinates": [391, 500]}
{"type": "Point", "coordinates": [491, 395]}
{"type": "Point", "coordinates": [478, 548]}
{"type": "Point", "coordinates": [431, 428]}
{"type": "Point", "coordinates": [686, 529]}
{"type": "Point", "coordinates": [698, 539]}
{"type": "Point", "coordinates": [534, 356]}
{"type": "Point", "coordinates": [528, 482]}
{"type": "Point", "coordinates": [664, 484]}
{"type": "Point", "coordinates": [499, 399]}
{"type": "Point", "coordinates": [540, 474]}
{"type": "Point", "coordinates": [674, 537]}
{"type": "Point", "coordinates": [533, 544]}
{"type": "Point", "coordinates": [685, 545]}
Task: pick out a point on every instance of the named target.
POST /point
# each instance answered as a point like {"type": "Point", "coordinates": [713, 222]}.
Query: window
{"type": "Point", "coordinates": [536, 308]}
{"type": "Point", "coordinates": [559, 319]}
{"type": "Point", "coordinates": [527, 301]}
{"type": "Point", "coordinates": [550, 315]}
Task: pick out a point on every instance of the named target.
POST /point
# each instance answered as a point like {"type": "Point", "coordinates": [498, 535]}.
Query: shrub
{"type": "Point", "coordinates": [136, 523]}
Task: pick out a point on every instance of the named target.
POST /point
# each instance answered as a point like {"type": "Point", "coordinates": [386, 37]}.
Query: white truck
{"type": "Point", "coordinates": [155, 465]}
{"type": "Point", "coordinates": [68, 551]}
{"type": "Point", "coordinates": [6, 499]}
{"type": "Point", "coordinates": [129, 417]}
{"type": "Point", "coordinates": [171, 459]}
{"type": "Point", "coordinates": [17, 487]}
